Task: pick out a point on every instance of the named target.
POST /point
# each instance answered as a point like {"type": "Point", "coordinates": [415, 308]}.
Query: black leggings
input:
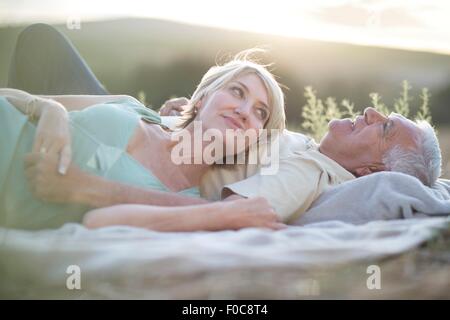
{"type": "Point", "coordinates": [46, 62]}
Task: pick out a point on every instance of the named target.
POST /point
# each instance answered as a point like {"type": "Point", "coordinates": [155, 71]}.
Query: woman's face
{"type": "Point", "coordinates": [241, 107]}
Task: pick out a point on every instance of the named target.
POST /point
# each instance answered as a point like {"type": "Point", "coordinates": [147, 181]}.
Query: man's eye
{"type": "Point", "coordinates": [386, 126]}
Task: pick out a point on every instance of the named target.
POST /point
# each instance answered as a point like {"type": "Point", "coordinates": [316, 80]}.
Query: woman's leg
{"type": "Point", "coordinates": [45, 62]}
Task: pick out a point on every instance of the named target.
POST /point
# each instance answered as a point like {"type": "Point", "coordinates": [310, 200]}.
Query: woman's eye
{"type": "Point", "coordinates": [238, 91]}
{"type": "Point", "coordinates": [262, 113]}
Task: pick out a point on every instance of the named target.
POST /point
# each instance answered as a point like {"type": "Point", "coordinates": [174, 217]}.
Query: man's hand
{"type": "Point", "coordinates": [173, 107]}
{"type": "Point", "coordinates": [46, 183]}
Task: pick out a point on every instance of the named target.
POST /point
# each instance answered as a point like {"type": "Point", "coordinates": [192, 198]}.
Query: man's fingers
{"type": "Point", "coordinates": [174, 113]}
{"type": "Point", "coordinates": [177, 102]}
{"type": "Point", "coordinates": [65, 159]}
{"type": "Point", "coordinates": [178, 108]}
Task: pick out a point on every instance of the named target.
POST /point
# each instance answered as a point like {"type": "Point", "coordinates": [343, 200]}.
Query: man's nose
{"type": "Point", "coordinates": [371, 115]}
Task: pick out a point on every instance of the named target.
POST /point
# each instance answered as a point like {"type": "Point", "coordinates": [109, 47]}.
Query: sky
{"type": "Point", "coordinates": [414, 24]}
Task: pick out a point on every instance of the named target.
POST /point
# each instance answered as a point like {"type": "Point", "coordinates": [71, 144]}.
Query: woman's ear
{"type": "Point", "coordinates": [199, 104]}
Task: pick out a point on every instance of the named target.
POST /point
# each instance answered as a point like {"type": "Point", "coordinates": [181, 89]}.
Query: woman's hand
{"type": "Point", "coordinates": [47, 184]}
{"type": "Point", "coordinates": [53, 133]}
{"type": "Point", "coordinates": [252, 212]}
{"type": "Point", "coordinates": [173, 107]}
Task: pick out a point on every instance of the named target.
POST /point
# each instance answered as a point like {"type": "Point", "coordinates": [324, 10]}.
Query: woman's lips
{"type": "Point", "coordinates": [233, 122]}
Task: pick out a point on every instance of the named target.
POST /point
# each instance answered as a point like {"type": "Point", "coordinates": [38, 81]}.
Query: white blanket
{"type": "Point", "coordinates": [125, 262]}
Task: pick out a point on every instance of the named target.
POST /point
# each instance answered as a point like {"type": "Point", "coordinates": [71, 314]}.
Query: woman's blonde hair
{"type": "Point", "coordinates": [220, 75]}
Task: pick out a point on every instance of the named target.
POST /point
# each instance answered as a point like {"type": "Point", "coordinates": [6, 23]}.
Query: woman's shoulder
{"type": "Point", "coordinates": [131, 104]}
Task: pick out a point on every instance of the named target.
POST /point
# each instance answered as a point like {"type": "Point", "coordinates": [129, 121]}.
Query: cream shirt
{"type": "Point", "coordinates": [303, 174]}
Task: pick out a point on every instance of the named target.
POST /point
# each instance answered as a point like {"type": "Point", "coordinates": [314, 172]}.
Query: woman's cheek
{"type": "Point", "coordinates": [256, 124]}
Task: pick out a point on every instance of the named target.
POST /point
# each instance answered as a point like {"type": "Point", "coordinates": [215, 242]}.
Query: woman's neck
{"type": "Point", "coordinates": [160, 157]}
{"type": "Point", "coordinates": [185, 149]}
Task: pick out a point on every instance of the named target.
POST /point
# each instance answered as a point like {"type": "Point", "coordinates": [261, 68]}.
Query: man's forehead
{"type": "Point", "coordinates": [405, 130]}
{"type": "Point", "coordinates": [402, 121]}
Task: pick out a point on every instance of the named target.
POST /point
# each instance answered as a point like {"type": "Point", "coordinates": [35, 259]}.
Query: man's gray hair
{"type": "Point", "coordinates": [424, 162]}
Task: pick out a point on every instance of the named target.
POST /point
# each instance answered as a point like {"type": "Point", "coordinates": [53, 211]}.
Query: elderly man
{"type": "Point", "coordinates": [350, 149]}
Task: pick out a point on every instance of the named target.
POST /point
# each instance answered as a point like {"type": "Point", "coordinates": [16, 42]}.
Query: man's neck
{"type": "Point", "coordinates": [334, 158]}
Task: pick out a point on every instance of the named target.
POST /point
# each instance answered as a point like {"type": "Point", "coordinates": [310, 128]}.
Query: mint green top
{"type": "Point", "coordinates": [100, 135]}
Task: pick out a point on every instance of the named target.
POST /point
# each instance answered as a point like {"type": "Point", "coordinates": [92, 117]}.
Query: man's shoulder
{"type": "Point", "coordinates": [292, 142]}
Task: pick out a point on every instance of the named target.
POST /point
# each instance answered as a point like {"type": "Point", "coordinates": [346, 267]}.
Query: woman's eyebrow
{"type": "Point", "coordinates": [247, 90]}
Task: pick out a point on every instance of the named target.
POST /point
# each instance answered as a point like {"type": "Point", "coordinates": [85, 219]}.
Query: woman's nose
{"type": "Point", "coordinates": [371, 115]}
{"type": "Point", "coordinates": [243, 110]}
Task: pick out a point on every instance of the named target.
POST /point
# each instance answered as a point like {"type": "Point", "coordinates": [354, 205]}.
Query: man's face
{"type": "Point", "coordinates": [359, 145]}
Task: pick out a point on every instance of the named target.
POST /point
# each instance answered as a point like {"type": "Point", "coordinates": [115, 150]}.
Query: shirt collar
{"type": "Point", "coordinates": [332, 167]}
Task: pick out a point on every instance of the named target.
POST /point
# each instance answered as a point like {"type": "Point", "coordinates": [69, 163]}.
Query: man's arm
{"type": "Point", "coordinates": [290, 191]}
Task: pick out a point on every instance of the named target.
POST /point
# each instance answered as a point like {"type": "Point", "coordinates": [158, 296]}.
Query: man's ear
{"type": "Point", "coordinates": [368, 169]}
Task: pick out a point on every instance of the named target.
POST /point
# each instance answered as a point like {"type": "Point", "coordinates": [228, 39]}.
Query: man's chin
{"type": "Point", "coordinates": [325, 139]}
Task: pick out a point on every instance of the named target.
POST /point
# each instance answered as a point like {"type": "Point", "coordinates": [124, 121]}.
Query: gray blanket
{"type": "Point", "coordinates": [380, 196]}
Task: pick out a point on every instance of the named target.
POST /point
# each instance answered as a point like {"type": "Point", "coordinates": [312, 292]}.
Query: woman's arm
{"type": "Point", "coordinates": [29, 104]}
{"type": "Point", "coordinates": [79, 102]}
{"type": "Point", "coordinates": [237, 214]}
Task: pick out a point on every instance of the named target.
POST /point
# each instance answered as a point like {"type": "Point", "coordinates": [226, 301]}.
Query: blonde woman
{"type": "Point", "coordinates": [118, 147]}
